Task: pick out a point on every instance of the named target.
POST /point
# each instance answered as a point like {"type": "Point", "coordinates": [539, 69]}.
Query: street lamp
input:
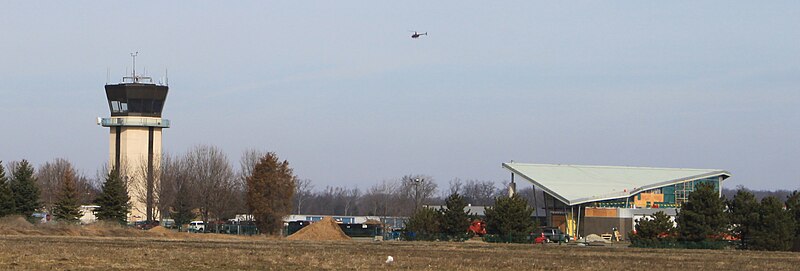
{"type": "Point", "coordinates": [417, 182]}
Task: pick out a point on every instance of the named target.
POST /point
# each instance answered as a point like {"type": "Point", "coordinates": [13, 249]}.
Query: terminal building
{"type": "Point", "coordinates": [583, 200]}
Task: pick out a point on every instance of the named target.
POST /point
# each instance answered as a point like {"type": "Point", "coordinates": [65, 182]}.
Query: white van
{"type": "Point", "coordinates": [196, 226]}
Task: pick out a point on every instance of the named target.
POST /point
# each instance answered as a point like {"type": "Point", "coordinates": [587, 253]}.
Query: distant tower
{"type": "Point", "coordinates": [135, 141]}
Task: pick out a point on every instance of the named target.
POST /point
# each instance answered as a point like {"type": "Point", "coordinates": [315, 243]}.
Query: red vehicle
{"type": "Point", "coordinates": [477, 227]}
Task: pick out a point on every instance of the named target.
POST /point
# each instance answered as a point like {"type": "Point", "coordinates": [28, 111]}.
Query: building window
{"type": "Point", "coordinates": [345, 220]}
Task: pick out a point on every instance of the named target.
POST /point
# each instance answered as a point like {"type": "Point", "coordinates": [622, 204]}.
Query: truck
{"type": "Point", "coordinates": [196, 226]}
{"type": "Point", "coordinates": [551, 234]}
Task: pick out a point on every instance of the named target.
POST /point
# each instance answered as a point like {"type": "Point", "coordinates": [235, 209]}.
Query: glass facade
{"type": "Point", "coordinates": [134, 99]}
{"type": "Point", "coordinates": [671, 196]}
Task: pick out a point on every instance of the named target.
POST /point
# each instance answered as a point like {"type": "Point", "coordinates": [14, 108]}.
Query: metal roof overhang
{"type": "Point", "coordinates": [724, 174]}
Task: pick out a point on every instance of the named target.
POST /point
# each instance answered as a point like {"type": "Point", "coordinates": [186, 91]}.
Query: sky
{"type": "Point", "coordinates": [340, 90]}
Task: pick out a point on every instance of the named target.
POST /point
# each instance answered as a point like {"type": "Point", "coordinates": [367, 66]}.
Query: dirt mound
{"type": "Point", "coordinates": [592, 238]}
{"type": "Point", "coordinates": [15, 221]}
{"type": "Point", "coordinates": [324, 230]}
{"type": "Point", "coordinates": [372, 222]}
{"type": "Point", "coordinates": [17, 225]}
{"type": "Point", "coordinates": [159, 230]}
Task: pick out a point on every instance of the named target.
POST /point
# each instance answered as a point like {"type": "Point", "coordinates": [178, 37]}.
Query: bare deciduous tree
{"type": "Point", "coordinates": [173, 173]}
{"type": "Point", "coordinates": [50, 176]}
{"type": "Point", "coordinates": [211, 176]}
{"type": "Point", "coordinates": [144, 190]}
{"type": "Point", "coordinates": [456, 187]}
{"type": "Point", "coordinates": [480, 193]}
{"type": "Point", "coordinates": [415, 190]}
{"type": "Point", "coordinates": [349, 197]}
{"type": "Point", "coordinates": [302, 192]}
{"type": "Point", "coordinates": [376, 200]}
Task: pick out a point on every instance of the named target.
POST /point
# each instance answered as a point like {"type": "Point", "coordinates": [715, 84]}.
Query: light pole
{"type": "Point", "coordinates": [417, 201]}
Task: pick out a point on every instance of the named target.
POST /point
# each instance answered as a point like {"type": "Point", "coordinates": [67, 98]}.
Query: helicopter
{"type": "Point", "coordinates": [416, 34]}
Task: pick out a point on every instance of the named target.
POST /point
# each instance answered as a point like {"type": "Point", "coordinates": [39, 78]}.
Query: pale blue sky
{"type": "Point", "coordinates": [340, 89]}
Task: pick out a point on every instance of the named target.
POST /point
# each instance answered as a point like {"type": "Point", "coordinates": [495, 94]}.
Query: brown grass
{"type": "Point", "coordinates": [112, 247]}
{"type": "Point", "coordinates": [148, 253]}
{"type": "Point", "coordinates": [16, 225]}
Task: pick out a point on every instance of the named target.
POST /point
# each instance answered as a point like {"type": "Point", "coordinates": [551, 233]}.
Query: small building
{"type": "Point", "coordinates": [583, 200]}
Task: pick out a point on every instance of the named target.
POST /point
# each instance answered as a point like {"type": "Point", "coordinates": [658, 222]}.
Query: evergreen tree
{"type": "Point", "coordinates": [67, 207]}
{"type": "Point", "coordinates": [776, 227]}
{"type": "Point", "coordinates": [743, 214]}
{"type": "Point", "coordinates": [183, 209]}
{"type": "Point", "coordinates": [793, 206]}
{"type": "Point", "coordinates": [424, 224]}
{"type": "Point", "coordinates": [702, 217]}
{"type": "Point", "coordinates": [656, 228]}
{"type": "Point", "coordinates": [510, 216]}
{"type": "Point", "coordinates": [455, 220]}
{"type": "Point", "coordinates": [26, 193]}
{"type": "Point", "coordinates": [113, 200]}
{"type": "Point", "coordinates": [270, 189]}
{"type": "Point", "coordinates": [6, 197]}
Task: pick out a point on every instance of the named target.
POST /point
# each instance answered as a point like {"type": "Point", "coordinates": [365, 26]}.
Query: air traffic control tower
{"type": "Point", "coordinates": [135, 137]}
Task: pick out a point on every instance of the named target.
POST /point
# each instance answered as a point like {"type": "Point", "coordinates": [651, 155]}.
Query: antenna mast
{"type": "Point", "coordinates": [133, 55]}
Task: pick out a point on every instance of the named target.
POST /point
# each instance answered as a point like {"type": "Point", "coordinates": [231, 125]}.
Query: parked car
{"type": "Point", "coordinates": [552, 234]}
{"type": "Point", "coordinates": [145, 224]}
{"type": "Point", "coordinates": [196, 226]}
{"type": "Point", "coordinates": [168, 223]}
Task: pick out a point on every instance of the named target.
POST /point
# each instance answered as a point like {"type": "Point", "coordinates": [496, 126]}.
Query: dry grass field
{"type": "Point", "coordinates": [161, 253]}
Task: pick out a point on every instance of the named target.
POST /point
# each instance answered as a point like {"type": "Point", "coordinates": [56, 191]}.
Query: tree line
{"type": "Point", "coordinates": [710, 221]}
{"type": "Point", "coordinates": [203, 184]}
{"type": "Point", "coordinates": [509, 219]}
{"type": "Point", "coordinates": [200, 183]}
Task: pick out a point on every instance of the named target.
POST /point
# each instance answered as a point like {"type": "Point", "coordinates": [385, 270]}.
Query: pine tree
{"type": "Point", "coordinates": [424, 224]}
{"type": "Point", "coordinates": [270, 189]}
{"type": "Point", "coordinates": [67, 207]}
{"type": "Point", "coordinates": [6, 197]}
{"type": "Point", "coordinates": [702, 217]}
{"type": "Point", "coordinates": [26, 193]}
{"type": "Point", "coordinates": [455, 220]}
{"type": "Point", "coordinates": [743, 214]}
{"type": "Point", "coordinates": [183, 209]}
{"type": "Point", "coordinates": [659, 226]}
{"type": "Point", "coordinates": [793, 206]}
{"type": "Point", "coordinates": [510, 216]}
{"type": "Point", "coordinates": [775, 227]}
{"type": "Point", "coordinates": [113, 200]}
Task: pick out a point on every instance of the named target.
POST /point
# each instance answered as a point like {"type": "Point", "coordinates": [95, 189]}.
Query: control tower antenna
{"type": "Point", "coordinates": [133, 55]}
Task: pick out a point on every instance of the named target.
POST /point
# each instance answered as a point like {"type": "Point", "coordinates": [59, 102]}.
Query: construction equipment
{"type": "Point", "coordinates": [477, 227]}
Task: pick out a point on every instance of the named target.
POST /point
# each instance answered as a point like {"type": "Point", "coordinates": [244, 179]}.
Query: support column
{"type": "Point", "coordinates": [118, 135]}
{"type": "Point", "coordinates": [150, 182]}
